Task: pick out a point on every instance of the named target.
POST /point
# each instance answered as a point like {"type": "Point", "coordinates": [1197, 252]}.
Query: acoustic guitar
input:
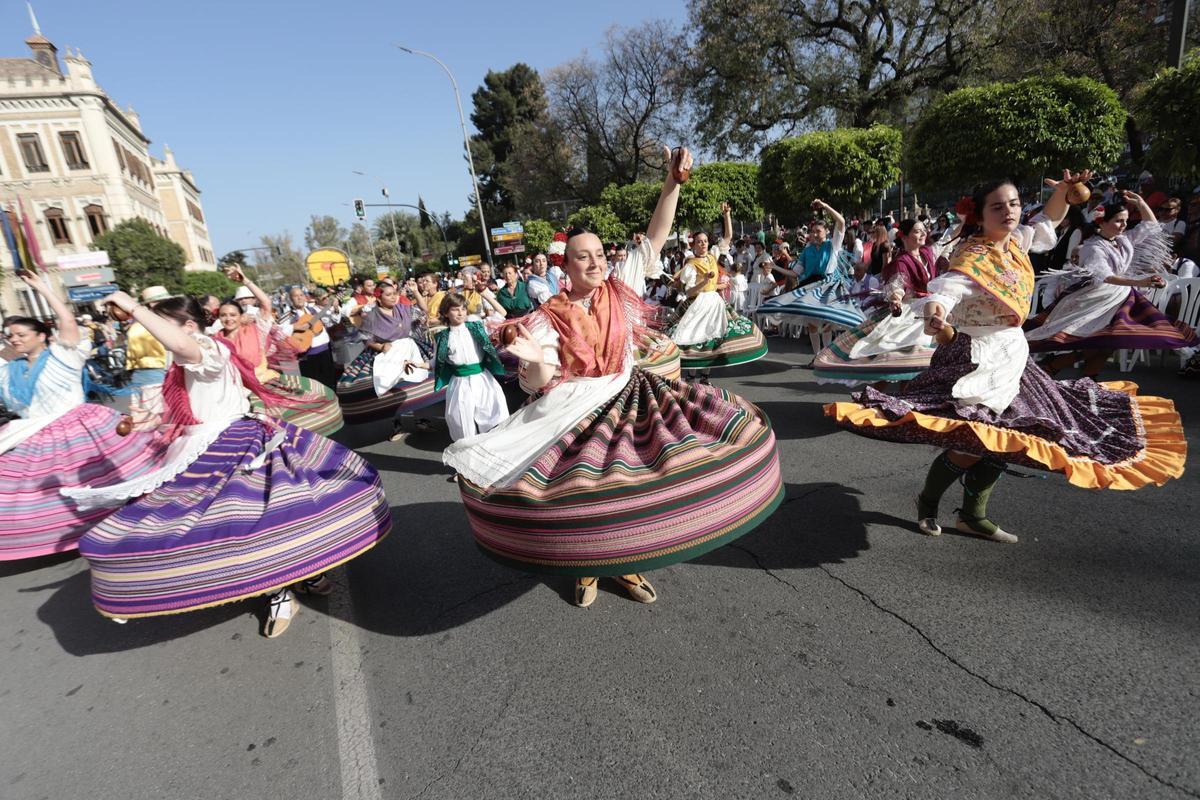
{"type": "Point", "coordinates": [302, 340]}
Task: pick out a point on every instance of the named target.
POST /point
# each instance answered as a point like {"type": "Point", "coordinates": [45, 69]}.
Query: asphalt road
{"type": "Point", "coordinates": [834, 652]}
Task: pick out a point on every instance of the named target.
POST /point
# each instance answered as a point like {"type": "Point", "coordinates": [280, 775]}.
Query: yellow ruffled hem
{"type": "Point", "coordinates": [1161, 459]}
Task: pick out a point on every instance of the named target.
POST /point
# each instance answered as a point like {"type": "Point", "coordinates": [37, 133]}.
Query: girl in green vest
{"type": "Point", "coordinates": [465, 362]}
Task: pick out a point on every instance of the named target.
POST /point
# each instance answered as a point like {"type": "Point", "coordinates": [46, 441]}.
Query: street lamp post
{"type": "Point", "coordinates": [462, 120]}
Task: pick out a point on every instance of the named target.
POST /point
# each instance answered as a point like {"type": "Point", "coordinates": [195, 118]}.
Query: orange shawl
{"type": "Point", "coordinates": [592, 343]}
{"type": "Point", "coordinates": [1005, 274]}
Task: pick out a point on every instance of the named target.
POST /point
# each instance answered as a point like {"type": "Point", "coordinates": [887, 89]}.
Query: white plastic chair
{"type": "Point", "coordinates": [1045, 288]}
{"type": "Point", "coordinates": [1159, 297]}
{"type": "Point", "coordinates": [1189, 309]}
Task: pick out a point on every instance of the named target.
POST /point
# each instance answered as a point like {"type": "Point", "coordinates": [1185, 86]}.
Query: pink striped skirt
{"type": "Point", "coordinates": [81, 448]}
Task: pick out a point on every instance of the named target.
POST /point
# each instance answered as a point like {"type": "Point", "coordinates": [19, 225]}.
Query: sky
{"type": "Point", "coordinates": [273, 104]}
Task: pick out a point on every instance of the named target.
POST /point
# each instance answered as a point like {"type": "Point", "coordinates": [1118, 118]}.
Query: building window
{"type": "Point", "coordinates": [57, 224]}
{"type": "Point", "coordinates": [194, 210]}
{"type": "Point", "coordinates": [120, 155]}
{"type": "Point", "coordinates": [31, 152]}
{"type": "Point", "coordinates": [96, 220]}
{"type": "Point", "coordinates": [73, 150]}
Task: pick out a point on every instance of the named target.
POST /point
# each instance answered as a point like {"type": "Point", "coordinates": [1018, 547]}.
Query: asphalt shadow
{"type": "Point", "coordinates": [81, 631]}
{"type": "Point", "coordinates": [798, 420]}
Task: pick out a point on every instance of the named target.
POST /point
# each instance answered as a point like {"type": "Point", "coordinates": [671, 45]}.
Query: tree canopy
{"type": "Point", "coordinates": [215, 283]}
{"type": "Point", "coordinates": [848, 168]}
{"type": "Point", "coordinates": [142, 257]}
{"type": "Point", "coordinates": [538, 235]}
{"type": "Point", "coordinates": [600, 220]}
{"type": "Point", "coordinates": [1169, 110]}
{"type": "Point", "coordinates": [324, 231]}
{"type": "Point", "coordinates": [758, 70]}
{"type": "Point", "coordinates": [1018, 130]}
{"type": "Point", "coordinates": [504, 105]}
{"type": "Point", "coordinates": [739, 186]}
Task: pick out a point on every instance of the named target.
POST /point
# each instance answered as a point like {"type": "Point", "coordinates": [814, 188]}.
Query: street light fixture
{"type": "Point", "coordinates": [462, 120]}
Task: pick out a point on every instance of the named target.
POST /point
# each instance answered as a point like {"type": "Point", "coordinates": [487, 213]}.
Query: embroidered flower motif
{"type": "Point", "coordinates": [1009, 277]}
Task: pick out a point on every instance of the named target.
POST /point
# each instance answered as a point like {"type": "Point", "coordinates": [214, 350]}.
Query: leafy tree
{"type": "Point", "coordinates": [542, 168]}
{"type": "Point", "coordinates": [538, 235]}
{"type": "Point", "coordinates": [699, 204]}
{"type": "Point", "coordinates": [739, 186]}
{"type": "Point", "coordinates": [281, 263]}
{"type": "Point", "coordinates": [1169, 110]}
{"type": "Point", "coordinates": [615, 113]}
{"type": "Point", "coordinates": [359, 246]}
{"type": "Point", "coordinates": [141, 257]}
{"type": "Point", "coordinates": [773, 191]}
{"type": "Point", "coordinates": [632, 203]}
{"type": "Point", "coordinates": [198, 283]}
{"type": "Point", "coordinates": [601, 221]}
{"type": "Point", "coordinates": [324, 231]}
{"type": "Point", "coordinates": [1019, 130]}
{"type": "Point", "coordinates": [848, 168]}
{"type": "Point", "coordinates": [755, 70]}
{"type": "Point", "coordinates": [506, 101]}
{"type": "Point", "coordinates": [1118, 42]}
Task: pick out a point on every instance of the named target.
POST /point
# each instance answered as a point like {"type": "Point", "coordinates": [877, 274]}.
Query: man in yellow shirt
{"type": "Point", "coordinates": [146, 358]}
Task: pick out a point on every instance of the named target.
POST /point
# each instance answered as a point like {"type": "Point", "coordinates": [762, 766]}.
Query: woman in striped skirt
{"type": "Point", "coordinates": [612, 470]}
{"type": "Point", "coordinates": [244, 506]}
{"type": "Point", "coordinates": [258, 339]}
{"type": "Point", "coordinates": [57, 439]}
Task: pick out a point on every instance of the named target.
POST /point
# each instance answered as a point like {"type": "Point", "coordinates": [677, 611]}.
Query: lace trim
{"type": "Point", "coordinates": [187, 449]}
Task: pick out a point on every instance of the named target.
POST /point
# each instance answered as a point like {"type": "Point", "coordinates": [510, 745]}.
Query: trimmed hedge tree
{"type": "Point", "coordinates": [1021, 130]}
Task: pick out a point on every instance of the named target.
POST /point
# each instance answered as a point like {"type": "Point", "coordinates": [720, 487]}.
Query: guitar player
{"type": "Point", "coordinates": [316, 363]}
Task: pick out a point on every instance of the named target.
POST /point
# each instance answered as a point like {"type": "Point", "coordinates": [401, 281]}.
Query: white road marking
{"type": "Point", "coordinates": [356, 742]}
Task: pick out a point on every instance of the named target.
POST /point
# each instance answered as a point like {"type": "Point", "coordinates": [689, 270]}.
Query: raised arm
{"type": "Point", "coordinates": [185, 349]}
{"type": "Point", "coordinates": [839, 222]}
{"type": "Point", "coordinates": [67, 330]}
{"type": "Point", "coordinates": [668, 200]}
{"type": "Point", "coordinates": [264, 301]}
{"type": "Point", "coordinates": [1056, 207]}
{"type": "Point", "coordinates": [726, 227]}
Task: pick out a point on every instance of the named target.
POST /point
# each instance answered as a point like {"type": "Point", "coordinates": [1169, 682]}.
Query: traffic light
{"type": "Point", "coordinates": [360, 209]}
{"type": "Point", "coordinates": [451, 261]}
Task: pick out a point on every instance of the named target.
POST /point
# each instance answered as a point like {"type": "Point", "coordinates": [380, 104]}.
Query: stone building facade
{"type": "Point", "coordinates": [80, 164]}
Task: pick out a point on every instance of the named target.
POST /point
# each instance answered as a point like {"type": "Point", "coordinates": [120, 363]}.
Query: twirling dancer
{"type": "Point", "coordinates": [57, 440]}
{"type": "Point", "coordinates": [1107, 312]}
{"type": "Point", "coordinates": [892, 344]}
{"type": "Point", "coordinates": [989, 404]}
{"type": "Point", "coordinates": [708, 333]}
{"type": "Point", "coordinates": [611, 470]}
{"type": "Point", "coordinates": [259, 340]}
{"type": "Point", "coordinates": [365, 395]}
{"type": "Point", "coordinates": [244, 506]}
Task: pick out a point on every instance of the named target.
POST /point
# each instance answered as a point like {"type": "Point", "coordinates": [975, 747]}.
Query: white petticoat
{"type": "Point", "coordinates": [705, 319]}
{"type": "Point", "coordinates": [892, 334]}
{"type": "Point", "coordinates": [388, 368]}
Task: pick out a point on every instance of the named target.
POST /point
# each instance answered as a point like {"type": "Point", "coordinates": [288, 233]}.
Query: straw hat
{"type": "Point", "coordinates": [155, 294]}
{"type": "Point", "coordinates": [243, 293]}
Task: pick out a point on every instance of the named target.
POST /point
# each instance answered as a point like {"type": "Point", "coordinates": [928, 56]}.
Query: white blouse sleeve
{"type": "Point", "coordinates": [544, 334]}
{"type": "Point", "coordinates": [1094, 260]}
{"type": "Point", "coordinates": [212, 361]}
{"type": "Point", "coordinates": [948, 290]}
{"type": "Point", "coordinates": [1038, 236]}
{"type": "Point", "coordinates": [74, 356]}
{"type": "Point", "coordinates": [640, 264]}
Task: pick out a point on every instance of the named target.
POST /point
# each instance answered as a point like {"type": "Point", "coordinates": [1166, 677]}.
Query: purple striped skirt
{"type": "Point", "coordinates": [218, 533]}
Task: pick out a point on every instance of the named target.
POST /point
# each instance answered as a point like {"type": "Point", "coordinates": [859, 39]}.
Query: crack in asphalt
{"type": "Point", "coordinates": [466, 602]}
{"type": "Point", "coordinates": [1052, 715]}
{"type": "Point", "coordinates": [478, 742]}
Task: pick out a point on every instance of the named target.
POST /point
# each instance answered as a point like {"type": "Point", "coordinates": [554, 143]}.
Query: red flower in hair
{"type": "Point", "coordinates": [965, 209]}
{"type": "Point", "coordinates": [1097, 213]}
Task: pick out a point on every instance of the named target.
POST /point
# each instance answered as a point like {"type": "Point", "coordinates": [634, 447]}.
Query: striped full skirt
{"type": "Point", "coordinates": [1137, 324]}
{"type": "Point", "coordinates": [819, 303]}
{"type": "Point", "coordinates": [661, 473]}
{"type": "Point", "coordinates": [742, 343]}
{"type": "Point", "coordinates": [658, 355]}
{"type": "Point", "coordinates": [356, 393]}
{"type": "Point", "coordinates": [897, 350]}
{"type": "Point", "coordinates": [81, 448]}
{"type": "Point", "coordinates": [316, 407]}
{"type": "Point", "coordinates": [228, 528]}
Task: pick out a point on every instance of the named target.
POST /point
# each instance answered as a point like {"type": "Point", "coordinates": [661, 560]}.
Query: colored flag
{"type": "Point", "coordinates": [10, 238]}
{"type": "Point", "coordinates": [34, 259]}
